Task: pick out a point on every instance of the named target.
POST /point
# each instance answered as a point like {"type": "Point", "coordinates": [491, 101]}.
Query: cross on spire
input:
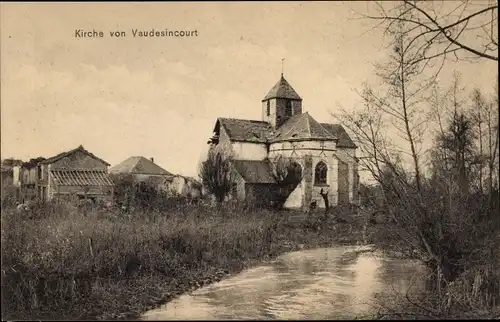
{"type": "Point", "coordinates": [282, 65]}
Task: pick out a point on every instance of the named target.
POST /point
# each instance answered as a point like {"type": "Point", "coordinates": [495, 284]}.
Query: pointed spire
{"type": "Point", "coordinates": [282, 89]}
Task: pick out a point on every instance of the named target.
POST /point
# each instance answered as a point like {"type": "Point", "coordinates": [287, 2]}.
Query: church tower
{"type": "Point", "coordinates": [281, 103]}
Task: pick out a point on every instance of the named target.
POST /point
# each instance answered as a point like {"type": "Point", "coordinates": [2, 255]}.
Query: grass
{"type": "Point", "coordinates": [61, 263]}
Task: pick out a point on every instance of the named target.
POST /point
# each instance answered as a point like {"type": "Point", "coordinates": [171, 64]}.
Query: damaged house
{"type": "Point", "coordinates": [178, 185]}
{"type": "Point", "coordinates": [76, 174]}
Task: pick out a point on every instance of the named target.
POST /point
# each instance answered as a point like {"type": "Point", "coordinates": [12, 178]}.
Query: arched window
{"type": "Point", "coordinates": [288, 108]}
{"type": "Point", "coordinates": [268, 108]}
{"type": "Point", "coordinates": [320, 173]}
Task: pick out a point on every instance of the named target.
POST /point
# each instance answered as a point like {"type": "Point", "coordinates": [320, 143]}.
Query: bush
{"type": "Point", "coordinates": [54, 256]}
{"type": "Point", "coordinates": [132, 195]}
{"type": "Point", "coordinates": [9, 196]}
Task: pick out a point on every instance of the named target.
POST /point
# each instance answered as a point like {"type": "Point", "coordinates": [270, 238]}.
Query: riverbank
{"type": "Point", "coordinates": [58, 263]}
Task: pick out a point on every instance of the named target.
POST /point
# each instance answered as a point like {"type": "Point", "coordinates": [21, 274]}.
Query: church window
{"type": "Point", "coordinates": [268, 108]}
{"type": "Point", "coordinates": [288, 108]}
{"type": "Point", "coordinates": [320, 173]}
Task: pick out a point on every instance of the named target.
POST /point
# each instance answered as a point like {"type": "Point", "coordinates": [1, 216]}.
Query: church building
{"type": "Point", "coordinates": [324, 152]}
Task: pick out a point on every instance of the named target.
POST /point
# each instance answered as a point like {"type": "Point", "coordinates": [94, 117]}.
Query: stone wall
{"type": "Point", "coordinates": [249, 151]}
{"type": "Point", "coordinates": [355, 186]}
{"type": "Point", "coordinates": [308, 174]}
{"type": "Point", "coordinates": [281, 107]}
{"type": "Point", "coordinates": [259, 194]}
{"type": "Point", "coordinates": [277, 110]}
{"type": "Point", "coordinates": [343, 182]}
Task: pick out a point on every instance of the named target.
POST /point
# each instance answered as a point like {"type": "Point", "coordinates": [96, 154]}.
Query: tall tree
{"type": "Point", "coordinates": [493, 143]}
{"type": "Point", "coordinates": [216, 173]}
{"type": "Point", "coordinates": [478, 116]}
{"type": "Point", "coordinates": [406, 93]}
{"type": "Point", "coordinates": [401, 115]}
{"type": "Point", "coordinates": [458, 140]}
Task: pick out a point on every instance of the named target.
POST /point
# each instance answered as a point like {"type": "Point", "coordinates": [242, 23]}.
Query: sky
{"type": "Point", "coordinates": [160, 97]}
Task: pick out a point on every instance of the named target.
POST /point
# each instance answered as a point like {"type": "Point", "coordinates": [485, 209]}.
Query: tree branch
{"type": "Point", "coordinates": [443, 30]}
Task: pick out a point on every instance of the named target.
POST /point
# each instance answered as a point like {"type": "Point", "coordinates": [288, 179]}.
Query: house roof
{"type": "Point", "coordinates": [245, 130]}
{"type": "Point", "coordinates": [255, 171]}
{"type": "Point", "coordinates": [300, 127]}
{"type": "Point", "coordinates": [282, 89]}
{"type": "Point", "coordinates": [81, 178]}
{"type": "Point", "coordinates": [138, 165]}
{"type": "Point", "coordinates": [344, 141]}
{"type": "Point", "coordinates": [65, 154]}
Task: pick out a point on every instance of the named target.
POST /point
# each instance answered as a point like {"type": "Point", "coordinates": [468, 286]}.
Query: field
{"type": "Point", "coordinates": [60, 262]}
{"type": "Point", "coordinates": [63, 262]}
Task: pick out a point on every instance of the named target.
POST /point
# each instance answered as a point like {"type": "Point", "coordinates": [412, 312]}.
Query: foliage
{"type": "Point", "coordinates": [216, 173]}
{"type": "Point", "coordinates": [129, 193]}
{"type": "Point", "coordinates": [288, 174]}
{"type": "Point", "coordinates": [9, 195]}
{"type": "Point", "coordinates": [33, 162]}
{"type": "Point", "coordinates": [61, 263]}
{"type": "Point", "coordinates": [286, 171]}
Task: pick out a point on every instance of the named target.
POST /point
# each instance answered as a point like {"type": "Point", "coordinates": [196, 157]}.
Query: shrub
{"type": "Point", "coordinates": [54, 256]}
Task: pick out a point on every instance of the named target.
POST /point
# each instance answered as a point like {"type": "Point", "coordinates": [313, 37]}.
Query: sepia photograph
{"type": "Point", "coordinates": [271, 160]}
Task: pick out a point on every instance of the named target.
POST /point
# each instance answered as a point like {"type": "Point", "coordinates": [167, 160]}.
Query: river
{"type": "Point", "coordinates": [325, 283]}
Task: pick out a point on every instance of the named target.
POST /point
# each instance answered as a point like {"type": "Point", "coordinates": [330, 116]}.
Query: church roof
{"type": "Point", "coordinates": [138, 165]}
{"type": "Point", "coordinates": [300, 127]}
{"type": "Point", "coordinates": [282, 89]}
{"type": "Point", "coordinates": [255, 171]}
{"type": "Point", "coordinates": [245, 130]}
{"type": "Point", "coordinates": [344, 141]}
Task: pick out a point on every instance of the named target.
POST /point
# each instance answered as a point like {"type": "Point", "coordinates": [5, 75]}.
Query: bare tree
{"type": "Point", "coordinates": [478, 113]}
{"type": "Point", "coordinates": [493, 142]}
{"type": "Point", "coordinates": [286, 171]}
{"type": "Point", "coordinates": [288, 175]}
{"type": "Point", "coordinates": [401, 114]}
{"type": "Point", "coordinates": [443, 28]}
{"type": "Point", "coordinates": [478, 118]}
{"type": "Point", "coordinates": [406, 93]}
{"type": "Point", "coordinates": [443, 226]}
{"type": "Point", "coordinates": [458, 141]}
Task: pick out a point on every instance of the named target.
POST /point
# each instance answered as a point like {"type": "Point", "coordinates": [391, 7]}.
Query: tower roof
{"type": "Point", "coordinates": [282, 89]}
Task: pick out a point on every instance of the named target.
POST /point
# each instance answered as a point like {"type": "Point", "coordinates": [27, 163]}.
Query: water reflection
{"type": "Point", "coordinates": [331, 283]}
